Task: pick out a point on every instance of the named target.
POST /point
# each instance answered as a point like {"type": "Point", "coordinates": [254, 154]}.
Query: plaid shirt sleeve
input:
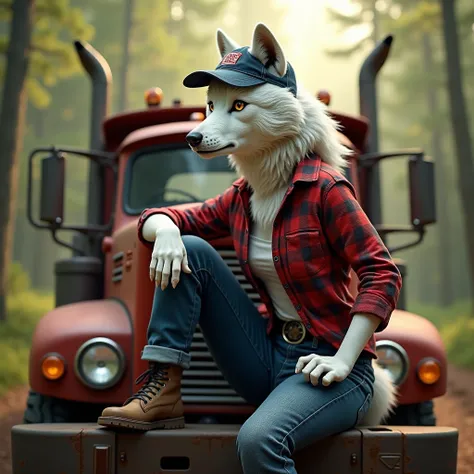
{"type": "Point", "coordinates": [354, 238]}
{"type": "Point", "coordinates": [210, 220]}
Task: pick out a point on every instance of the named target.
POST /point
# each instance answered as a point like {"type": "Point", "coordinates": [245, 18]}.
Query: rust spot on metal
{"type": "Point", "coordinates": [77, 445]}
{"type": "Point", "coordinates": [374, 452]}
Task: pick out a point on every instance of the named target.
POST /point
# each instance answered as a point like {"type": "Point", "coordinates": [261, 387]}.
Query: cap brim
{"type": "Point", "coordinates": [232, 78]}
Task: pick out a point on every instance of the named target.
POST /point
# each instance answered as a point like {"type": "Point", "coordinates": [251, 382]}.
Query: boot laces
{"type": "Point", "coordinates": [153, 379]}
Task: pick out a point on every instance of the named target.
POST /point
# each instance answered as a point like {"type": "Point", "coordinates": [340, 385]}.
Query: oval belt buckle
{"type": "Point", "coordinates": [293, 332]}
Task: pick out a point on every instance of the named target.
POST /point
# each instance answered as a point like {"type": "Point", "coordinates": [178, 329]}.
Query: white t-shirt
{"type": "Point", "coordinates": [262, 266]}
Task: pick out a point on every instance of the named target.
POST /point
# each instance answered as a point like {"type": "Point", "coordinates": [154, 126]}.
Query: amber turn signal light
{"type": "Point", "coordinates": [429, 371]}
{"type": "Point", "coordinates": [324, 96]}
{"type": "Point", "coordinates": [53, 367]}
{"type": "Point", "coordinates": [153, 97]}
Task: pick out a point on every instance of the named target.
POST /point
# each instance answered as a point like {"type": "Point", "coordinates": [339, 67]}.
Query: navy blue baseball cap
{"type": "Point", "coordinates": [241, 69]}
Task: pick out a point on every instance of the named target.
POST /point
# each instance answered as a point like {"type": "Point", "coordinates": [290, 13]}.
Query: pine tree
{"type": "Point", "coordinates": [36, 57]}
{"type": "Point", "coordinates": [414, 113]}
{"type": "Point", "coordinates": [460, 123]}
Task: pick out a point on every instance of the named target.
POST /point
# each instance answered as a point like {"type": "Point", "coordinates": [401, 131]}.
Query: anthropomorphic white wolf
{"type": "Point", "coordinates": [297, 229]}
{"type": "Point", "coordinates": [274, 130]}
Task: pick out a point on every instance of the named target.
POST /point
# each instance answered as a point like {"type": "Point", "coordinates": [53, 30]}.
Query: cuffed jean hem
{"type": "Point", "coordinates": [166, 355]}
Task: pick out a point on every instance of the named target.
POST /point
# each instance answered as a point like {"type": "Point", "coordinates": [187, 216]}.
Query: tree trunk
{"type": "Point", "coordinates": [124, 69]}
{"type": "Point", "coordinates": [444, 241]}
{"type": "Point", "coordinates": [12, 120]}
{"type": "Point", "coordinates": [460, 124]}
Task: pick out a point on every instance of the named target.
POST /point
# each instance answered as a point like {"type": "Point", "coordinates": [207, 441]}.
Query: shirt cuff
{"type": "Point", "coordinates": [372, 304]}
{"type": "Point", "coordinates": [148, 213]}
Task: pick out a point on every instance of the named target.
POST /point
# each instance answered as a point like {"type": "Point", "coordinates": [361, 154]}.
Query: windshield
{"type": "Point", "coordinates": [163, 177]}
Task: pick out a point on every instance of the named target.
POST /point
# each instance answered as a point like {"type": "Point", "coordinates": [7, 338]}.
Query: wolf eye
{"type": "Point", "coordinates": [211, 106]}
{"type": "Point", "coordinates": [238, 105]}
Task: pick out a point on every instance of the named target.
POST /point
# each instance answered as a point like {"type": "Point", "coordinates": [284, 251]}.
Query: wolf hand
{"type": "Point", "coordinates": [168, 257]}
{"type": "Point", "coordinates": [313, 366]}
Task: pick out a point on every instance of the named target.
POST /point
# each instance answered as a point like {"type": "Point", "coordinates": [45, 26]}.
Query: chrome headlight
{"type": "Point", "coordinates": [100, 363]}
{"type": "Point", "coordinates": [393, 359]}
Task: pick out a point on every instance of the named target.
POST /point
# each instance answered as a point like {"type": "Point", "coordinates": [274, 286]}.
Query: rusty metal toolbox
{"type": "Point", "coordinates": [210, 449]}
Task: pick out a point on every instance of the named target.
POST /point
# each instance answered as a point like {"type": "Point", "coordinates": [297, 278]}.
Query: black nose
{"type": "Point", "coordinates": [194, 138]}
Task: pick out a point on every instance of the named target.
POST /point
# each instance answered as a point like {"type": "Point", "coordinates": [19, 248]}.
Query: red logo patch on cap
{"type": "Point", "coordinates": [231, 58]}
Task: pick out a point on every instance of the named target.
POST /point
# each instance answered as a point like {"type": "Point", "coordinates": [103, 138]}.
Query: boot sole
{"type": "Point", "coordinates": [125, 423]}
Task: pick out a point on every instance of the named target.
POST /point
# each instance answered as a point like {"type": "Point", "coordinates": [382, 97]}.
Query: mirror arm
{"type": "Point", "coordinates": [419, 229]}
{"type": "Point", "coordinates": [421, 233]}
{"type": "Point", "coordinates": [65, 244]}
{"type": "Point", "coordinates": [368, 160]}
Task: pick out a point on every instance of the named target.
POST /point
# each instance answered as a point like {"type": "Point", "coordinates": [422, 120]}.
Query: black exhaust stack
{"type": "Point", "coordinates": [81, 277]}
{"type": "Point", "coordinates": [101, 76]}
{"type": "Point", "coordinates": [368, 108]}
{"type": "Point", "coordinates": [368, 90]}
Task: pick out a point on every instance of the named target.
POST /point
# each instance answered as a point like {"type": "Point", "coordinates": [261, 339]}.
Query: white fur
{"type": "Point", "coordinates": [266, 140]}
{"type": "Point", "coordinates": [384, 400]}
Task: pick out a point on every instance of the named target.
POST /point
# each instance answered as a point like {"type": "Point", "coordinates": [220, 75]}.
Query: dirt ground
{"type": "Point", "coordinates": [456, 409]}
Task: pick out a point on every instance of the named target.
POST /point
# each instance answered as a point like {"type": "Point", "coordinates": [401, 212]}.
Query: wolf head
{"type": "Point", "coordinates": [257, 114]}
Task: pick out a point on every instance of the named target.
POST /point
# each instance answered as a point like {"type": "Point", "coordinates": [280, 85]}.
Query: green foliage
{"type": "Point", "coordinates": [52, 55]}
{"type": "Point", "coordinates": [456, 326]}
{"type": "Point", "coordinates": [18, 280]}
{"type": "Point", "coordinates": [25, 308]}
{"type": "Point", "coordinates": [458, 336]}
{"type": "Point", "coordinates": [166, 39]}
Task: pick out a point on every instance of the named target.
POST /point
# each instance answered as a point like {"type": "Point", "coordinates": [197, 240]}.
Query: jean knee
{"type": "Point", "coordinates": [254, 439]}
{"type": "Point", "coordinates": [249, 436]}
{"type": "Point", "coordinates": [194, 244]}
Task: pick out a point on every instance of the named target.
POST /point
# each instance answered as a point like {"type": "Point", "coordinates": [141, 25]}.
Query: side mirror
{"type": "Point", "coordinates": [421, 187]}
{"type": "Point", "coordinates": [52, 189]}
{"type": "Point", "coordinates": [422, 191]}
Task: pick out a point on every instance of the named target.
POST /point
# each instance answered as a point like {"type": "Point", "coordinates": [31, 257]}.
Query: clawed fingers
{"type": "Point", "coordinates": [302, 361]}
{"type": "Point", "coordinates": [329, 378]}
{"type": "Point", "coordinates": [175, 272]}
{"type": "Point", "coordinates": [153, 263]}
{"type": "Point", "coordinates": [158, 272]}
{"type": "Point", "coordinates": [317, 372]}
{"type": "Point", "coordinates": [309, 367]}
{"type": "Point", "coordinates": [185, 264]}
{"type": "Point", "coordinates": [165, 278]}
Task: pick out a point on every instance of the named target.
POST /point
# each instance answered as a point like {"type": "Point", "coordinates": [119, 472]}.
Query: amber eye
{"type": "Point", "coordinates": [239, 105]}
{"type": "Point", "coordinates": [211, 107]}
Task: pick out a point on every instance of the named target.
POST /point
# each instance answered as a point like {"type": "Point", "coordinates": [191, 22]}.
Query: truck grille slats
{"type": "Point", "coordinates": [214, 400]}
{"type": "Point", "coordinates": [188, 383]}
{"type": "Point", "coordinates": [203, 382]}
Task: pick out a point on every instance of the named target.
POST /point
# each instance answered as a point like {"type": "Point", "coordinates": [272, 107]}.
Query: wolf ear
{"type": "Point", "coordinates": [267, 50]}
{"type": "Point", "coordinates": [225, 44]}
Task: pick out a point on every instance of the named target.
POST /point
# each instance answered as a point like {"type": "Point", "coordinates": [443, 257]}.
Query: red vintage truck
{"type": "Point", "coordinates": [85, 353]}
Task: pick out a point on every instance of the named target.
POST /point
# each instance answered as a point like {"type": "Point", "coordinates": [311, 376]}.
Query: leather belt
{"type": "Point", "coordinates": [293, 331]}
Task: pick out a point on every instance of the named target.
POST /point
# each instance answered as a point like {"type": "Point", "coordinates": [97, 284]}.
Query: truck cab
{"type": "Point", "coordinates": [85, 353]}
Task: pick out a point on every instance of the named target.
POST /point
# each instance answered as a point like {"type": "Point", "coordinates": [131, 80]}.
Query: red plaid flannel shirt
{"type": "Point", "coordinates": [320, 232]}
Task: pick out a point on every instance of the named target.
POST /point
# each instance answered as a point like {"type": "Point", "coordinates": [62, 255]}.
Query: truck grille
{"type": "Point", "coordinates": [203, 382]}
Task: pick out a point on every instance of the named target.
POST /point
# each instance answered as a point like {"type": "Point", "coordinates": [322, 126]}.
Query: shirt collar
{"type": "Point", "coordinates": [307, 170]}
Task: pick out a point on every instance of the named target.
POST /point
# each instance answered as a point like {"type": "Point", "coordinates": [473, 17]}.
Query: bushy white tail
{"type": "Point", "coordinates": [384, 400]}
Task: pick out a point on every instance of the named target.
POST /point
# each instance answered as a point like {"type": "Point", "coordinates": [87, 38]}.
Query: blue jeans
{"type": "Point", "coordinates": [290, 413]}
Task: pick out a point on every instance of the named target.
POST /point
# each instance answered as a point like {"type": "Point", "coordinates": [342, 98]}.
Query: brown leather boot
{"type": "Point", "coordinates": [157, 405]}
